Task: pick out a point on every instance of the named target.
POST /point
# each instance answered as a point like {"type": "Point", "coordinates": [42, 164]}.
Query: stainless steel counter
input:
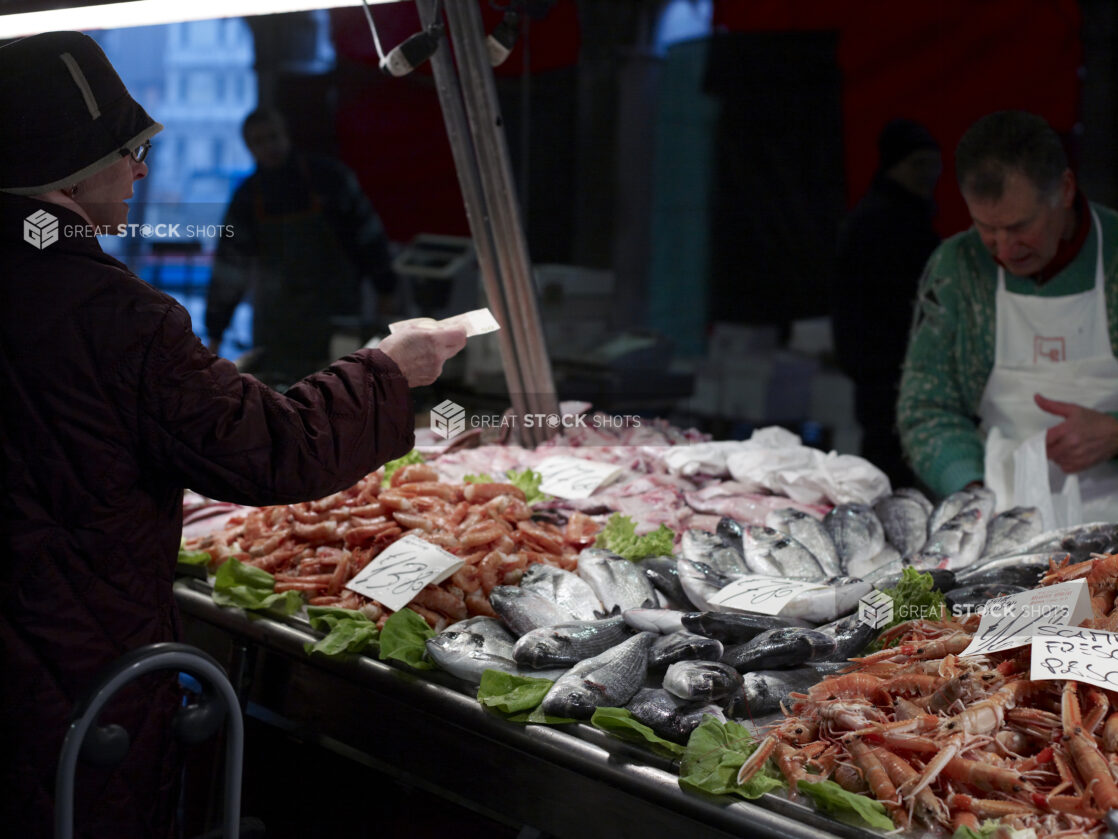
{"type": "Point", "coordinates": [427, 729]}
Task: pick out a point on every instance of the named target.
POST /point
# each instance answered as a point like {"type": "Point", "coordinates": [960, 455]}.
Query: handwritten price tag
{"type": "Point", "coordinates": [1068, 652]}
{"type": "Point", "coordinates": [766, 595]}
{"type": "Point", "coordinates": [1011, 621]}
{"type": "Point", "coordinates": [573, 477]}
{"type": "Point", "coordinates": [477, 322]}
{"type": "Point", "coordinates": [402, 570]}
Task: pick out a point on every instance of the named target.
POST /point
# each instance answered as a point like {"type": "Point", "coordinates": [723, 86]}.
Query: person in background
{"type": "Point", "coordinates": [1016, 324]}
{"type": "Point", "coordinates": [111, 407]}
{"type": "Point", "coordinates": [882, 248]}
{"type": "Point", "coordinates": [304, 236]}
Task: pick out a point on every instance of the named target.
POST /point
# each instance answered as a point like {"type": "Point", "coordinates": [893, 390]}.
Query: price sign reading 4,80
{"type": "Point", "coordinates": [402, 570]}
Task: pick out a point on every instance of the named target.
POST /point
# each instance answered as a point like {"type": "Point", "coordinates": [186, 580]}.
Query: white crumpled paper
{"type": "Point", "coordinates": [775, 460]}
{"type": "Point", "coordinates": [701, 458]}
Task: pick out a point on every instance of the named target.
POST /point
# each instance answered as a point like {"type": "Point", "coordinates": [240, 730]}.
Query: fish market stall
{"type": "Point", "coordinates": [634, 643]}
{"type": "Point", "coordinates": [573, 781]}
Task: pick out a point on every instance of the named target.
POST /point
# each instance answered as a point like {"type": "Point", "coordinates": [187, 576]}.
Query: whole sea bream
{"type": "Point", "coordinates": [765, 547]}
{"type": "Point", "coordinates": [1012, 528]}
{"type": "Point", "coordinates": [669, 716]}
{"type": "Point", "coordinates": [856, 532]}
{"type": "Point", "coordinates": [905, 522]}
{"type": "Point", "coordinates": [569, 643]}
{"type": "Point", "coordinates": [809, 532]}
{"type": "Point", "coordinates": [523, 610]}
{"type": "Point", "coordinates": [609, 679]}
{"type": "Point", "coordinates": [468, 648]}
{"type": "Point", "coordinates": [619, 583]}
{"type": "Point", "coordinates": [564, 588]}
{"type": "Point", "coordinates": [957, 544]}
{"type": "Point", "coordinates": [722, 551]}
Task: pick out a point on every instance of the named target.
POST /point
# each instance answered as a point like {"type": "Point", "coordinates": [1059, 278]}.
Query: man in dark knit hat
{"type": "Point", "coordinates": [111, 407]}
{"type": "Point", "coordinates": [882, 248]}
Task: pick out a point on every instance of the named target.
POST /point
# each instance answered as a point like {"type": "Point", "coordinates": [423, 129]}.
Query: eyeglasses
{"type": "Point", "coordinates": [139, 153]}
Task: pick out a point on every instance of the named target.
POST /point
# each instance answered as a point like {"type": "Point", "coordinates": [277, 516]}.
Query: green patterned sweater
{"type": "Point", "coordinates": [951, 348]}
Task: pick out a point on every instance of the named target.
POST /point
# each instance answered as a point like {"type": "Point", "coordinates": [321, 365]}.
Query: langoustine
{"type": "Point", "coordinates": [944, 740]}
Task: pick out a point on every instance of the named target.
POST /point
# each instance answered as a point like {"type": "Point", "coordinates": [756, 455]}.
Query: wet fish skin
{"type": "Point", "coordinates": [856, 532]}
{"type": "Point", "coordinates": [764, 690]}
{"type": "Point", "coordinates": [957, 544]}
{"type": "Point", "coordinates": [809, 532]}
{"type": "Point", "coordinates": [663, 573]}
{"type": "Point", "coordinates": [827, 604]}
{"type": "Point", "coordinates": [917, 496]}
{"type": "Point", "coordinates": [969, 598]}
{"type": "Point", "coordinates": [468, 648]}
{"type": "Point", "coordinates": [663, 621]}
{"type": "Point", "coordinates": [523, 610]}
{"type": "Point", "coordinates": [780, 648]}
{"type": "Point", "coordinates": [668, 716]}
{"type": "Point", "coordinates": [1011, 528]}
{"type": "Point", "coordinates": [722, 552]}
{"type": "Point", "coordinates": [619, 583]}
{"type": "Point", "coordinates": [851, 634]}
{"type": "Point", "coordinates": [905, 522]}
{"type": "Point", "coordinates": [1080, 541]}
{"type": "Point", "coordinates": [765, 546]}
{"type": "Point", "coordinates": [866, 569]}
{"type": "Point", "coordinates": [609, 679]}
{"type": "Point", "coordinates": [569, 643]}
{"type": "Point", "coordinates": [701, 582]}
{"type": "Point", "coordinates": [947, 509]}
{"type": "Point", "coordinates": [564, 588]}
{"type": "Point", "coordinates": [1025, 570]}
{"type": "Point", "coordinates": [682, 646]}
{"type": "Point", "coordinates": [732, 627]}
{"type": "Point", "coordinates": [701, 681]}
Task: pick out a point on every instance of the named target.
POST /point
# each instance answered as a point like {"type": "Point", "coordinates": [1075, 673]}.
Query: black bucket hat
{"type": "Point", "coordinates": [64, 113]}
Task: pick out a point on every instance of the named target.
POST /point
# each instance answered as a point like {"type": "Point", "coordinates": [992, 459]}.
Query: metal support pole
{"type": "Point", "coordinates": [480, 149]}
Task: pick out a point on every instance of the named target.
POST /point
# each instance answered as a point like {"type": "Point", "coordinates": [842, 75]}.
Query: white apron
{"type": "Point", "coordinates": [1058, 347]}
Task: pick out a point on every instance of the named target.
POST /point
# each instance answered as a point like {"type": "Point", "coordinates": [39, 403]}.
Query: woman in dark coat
{"type": "Point", "coordinates": [111, 407]}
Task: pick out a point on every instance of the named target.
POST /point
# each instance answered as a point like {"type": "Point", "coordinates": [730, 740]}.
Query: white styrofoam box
{"type": "Point", "coordinates": [832, 404]}
{"type": "Point", "coordinates": [745, 386]}
{"type": "Point", "coordinates": [812, 336]}
{"type": "Point", "coordinates": [729, 340]}
{"type": "Point", "coordinates": [706, 395]}
{"type": "Point", "coordinates": [789, 393]}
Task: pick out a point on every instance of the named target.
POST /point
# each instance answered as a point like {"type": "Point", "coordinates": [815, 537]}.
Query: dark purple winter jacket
{"type": "Point", "coordinates": [111, 406]}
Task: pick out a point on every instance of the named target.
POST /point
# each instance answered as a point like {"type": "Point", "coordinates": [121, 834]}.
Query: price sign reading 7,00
{"type": "Point", "coordinates": [402, 570]}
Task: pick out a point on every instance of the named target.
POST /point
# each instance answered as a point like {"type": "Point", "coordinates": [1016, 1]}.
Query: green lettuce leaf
{"type": "Point", "coordinates": [620, 536]}
{"type": "Point", "coordinates": [914, 596]}
{"type": "Point", "coordinates": [714, 754]}
{"type": "Point", "coordinates": [389, 468]}
{"type": "Point", "coordinates": [193, 557]}
{"type": "Point", "coordinates": [248, 587]}
{"type": "Point", "coordinates": [347, 631]}
{"type": "Point", "coordinates": [516, 698]}
{"type": "Point", "coordinates": [404, 637]}
{"type": "Point", "coordinates": [528, 482]}
{"type": "Point", "coordinates": [832, 798]}
{"type": "Point", "coordinates": [477, 479]}
{"type": "Point", "coordinates": [621, 724]}
{"type": "Point", "coordinates": [985, 830]}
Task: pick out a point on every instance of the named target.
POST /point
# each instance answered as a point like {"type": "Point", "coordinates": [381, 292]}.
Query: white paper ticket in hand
{"type": "Point", "coordinates": [1069, 652]}
{"type": "Point", "coordinates": [766, 595]}
{"type": "Point", "coordinates": [573, 477]}
{"type": "Point", "coordinates": [1012, 621]}
{"type": "Point", "coordinates": [402, 570]}
{"type": "Point", "coordinates": [477, 322]}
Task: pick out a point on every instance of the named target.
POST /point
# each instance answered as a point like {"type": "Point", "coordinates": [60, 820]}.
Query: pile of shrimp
{"type": "Point", "coordinates": [317, 547]}
{"type": "Point", "coordinates": [945, 741]}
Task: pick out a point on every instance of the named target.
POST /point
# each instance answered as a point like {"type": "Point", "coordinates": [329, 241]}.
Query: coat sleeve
{"type": "Point", "coordinates": [935, 416]}
{"type": "Point", "coordinates": [232, 438]}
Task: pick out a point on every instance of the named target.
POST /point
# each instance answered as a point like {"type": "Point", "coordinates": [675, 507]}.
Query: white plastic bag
{"type": "Point", "coordinates": [1033, 477]}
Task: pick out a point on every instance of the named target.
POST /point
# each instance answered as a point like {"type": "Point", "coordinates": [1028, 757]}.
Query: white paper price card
{"type": "Point", "coordinates": [1068, 652]}
{"type": "Point", "coordinates": [1011, 621]}
{"type": "Point", "coordinates": [766, 595]}
{"type": "Point", "coordinates": [477, 322]}
{"type": "Point", "coordinates": [402, 570]}
{"type": "Point", "coordinates": [573, 477]}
